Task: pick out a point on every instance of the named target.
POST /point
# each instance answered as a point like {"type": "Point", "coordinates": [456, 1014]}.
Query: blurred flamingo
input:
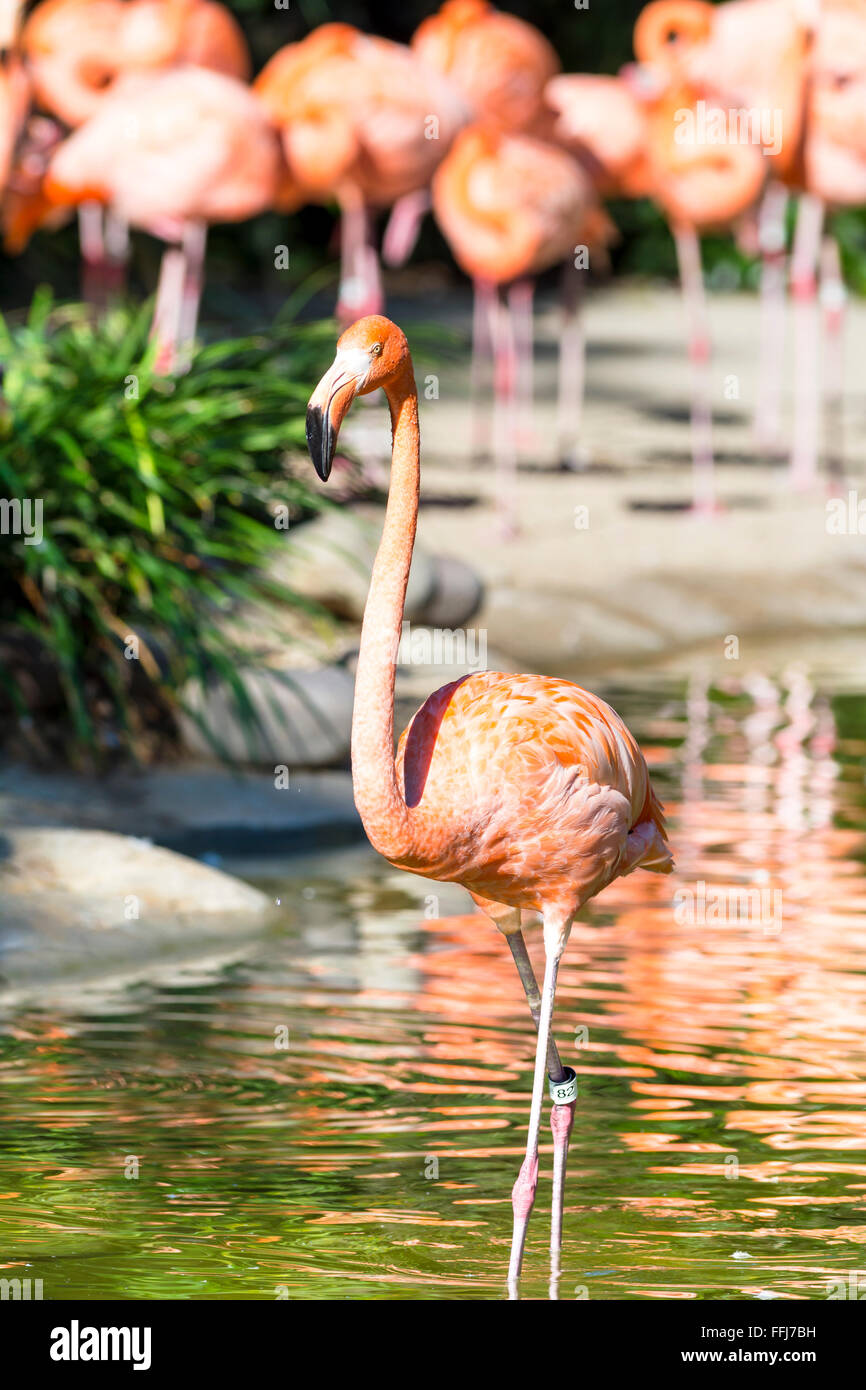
{"type": "Point", "coordinates": [77, 50]}
{"type": "Point", "coordinates": [173, 151]}
{"type": "Point", "coordinates": [509, 206]}
{"type": "Point", "coordinates": [364, 122]}
{"type": "Point", "coordinates": [753, 55]}
{"type": "Point", "coordinates": [528, 791]}
{"type": "Point", "coordinates": [699, 184]}
{"type": "Point", "coordinates": [602, 123]}
{"type": "Point", "coordinates": [834, 173]}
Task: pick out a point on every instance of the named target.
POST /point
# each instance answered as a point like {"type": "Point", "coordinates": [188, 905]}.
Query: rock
{"type": "Point", "coordinates": [457, 594]}
{"type": "Point", "coordinates": [83, 903]}
{"type": "Point", "coordinates": [303, 718]}
{"type": "Point", "coordinates": [330, 559]}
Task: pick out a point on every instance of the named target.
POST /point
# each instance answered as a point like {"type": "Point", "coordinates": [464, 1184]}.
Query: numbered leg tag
{"type": "Point", "coordinates": [563, 1092]}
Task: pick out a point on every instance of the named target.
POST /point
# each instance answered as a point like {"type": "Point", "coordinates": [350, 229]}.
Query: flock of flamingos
{"type": "Point", "coordinates": [141, 113]}
{"type": "Point", "coordinates": [527, 790]}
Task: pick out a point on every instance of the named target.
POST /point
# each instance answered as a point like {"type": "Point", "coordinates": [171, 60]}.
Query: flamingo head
{"type": "Point", "coordinates": [372, 352]}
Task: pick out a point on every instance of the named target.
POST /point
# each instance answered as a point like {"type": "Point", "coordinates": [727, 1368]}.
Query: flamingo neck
{"type": "Point", "coordinates": [378, 797]}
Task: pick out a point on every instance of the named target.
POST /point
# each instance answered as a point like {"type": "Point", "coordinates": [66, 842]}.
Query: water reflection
{"type": "Point", "coordinates": [341, 1113]}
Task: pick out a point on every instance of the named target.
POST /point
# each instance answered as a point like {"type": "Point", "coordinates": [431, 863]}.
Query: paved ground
{"type": "Point", "coordinates": [643, 579]}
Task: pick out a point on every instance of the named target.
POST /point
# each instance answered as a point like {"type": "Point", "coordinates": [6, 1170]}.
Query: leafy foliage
{"type": "Point", "coordinates": [158, 513]}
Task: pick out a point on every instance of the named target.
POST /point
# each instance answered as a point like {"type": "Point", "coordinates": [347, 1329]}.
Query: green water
{"type": "Point", "coordinates": [159, 1141]}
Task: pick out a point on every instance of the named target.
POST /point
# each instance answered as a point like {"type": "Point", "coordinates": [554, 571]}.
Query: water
{"type": "Point", "coordinates": [719, 1148]}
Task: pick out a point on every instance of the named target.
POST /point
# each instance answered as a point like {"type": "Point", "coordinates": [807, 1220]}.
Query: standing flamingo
{"type": "Point", "coordinates": [172, 152]}
{"type": "Point", "coordinates": [602, 122]}
{"type": "Point", "coordinates": [834, 171]}
{"type": "Point", "coordinates": [364, 122]}
{"type": "Point", "coordinates": [509, 206]}
{"type": "Point", "coordinates": [77, 50]}
{"type": "Point", "coordinates": [528, 791]}
{"type": "Point", "coordinates": [501, 65]}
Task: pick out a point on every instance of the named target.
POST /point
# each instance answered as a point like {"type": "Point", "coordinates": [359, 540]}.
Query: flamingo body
{"type": "Point", "coordinates": [354, 112]}
{"type": "Point", "coordinates": [529, 791]}
{"type": "Point", "coordinates": [185, 144]}
{"type": "Point", "coordinates": [78, 49]}
{"type": "Point", "coordinates": [500, 63]}
{"type": "Point", "coordinates": [508, 204]}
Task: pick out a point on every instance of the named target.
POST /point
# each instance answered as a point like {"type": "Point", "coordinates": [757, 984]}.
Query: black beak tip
{"type": "Point", "coordinates": [320, 441]}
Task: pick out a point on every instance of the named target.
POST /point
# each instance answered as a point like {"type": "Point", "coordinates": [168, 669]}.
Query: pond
{"type": "Point", "coordinates": [339, 1110]}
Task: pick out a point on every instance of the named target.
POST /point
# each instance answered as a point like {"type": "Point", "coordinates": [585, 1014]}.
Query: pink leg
{"type": "Point", "coordinates": [561, 1121]}
{"type": "Point", "coordinates": [360, 290]}
{"type": "Point", "coordinates": [520, 296]}
{"type": "Point", "coordinates": [572, 368]}
{"type": "Point", "coordinates": [561, 1116]}
{"type": "Point", "coordinates": [695, 301]}
{"type": "Point", "coordinates": [167, 311]}
{"type": "Point", "coordinates": [194, 245]}
{"type": "Point", "coordinates": [504, 447]}
{"type": "Point", "coordinates": [771, 243]}
{"type": "Point", "coordinates": [804, 260]}
{"type": "Point", "coordinates": [404, 226]}
{"type": "Point", "coordinates": [483, 309]}
{"type": "Point", "coordinates": [104, 241]}
{"type": "Point", "coordinates": [556, 930]}
{"type": "Point", "coordinates": [833, 298]}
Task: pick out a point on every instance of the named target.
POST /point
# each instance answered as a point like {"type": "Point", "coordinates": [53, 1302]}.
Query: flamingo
{"type": "Point", "coordinates": [78, 49]}
{"type": "Point", "coordinates": [173, 151]}
{"type": "Point", "coordinates": [509, 205]}
{"type": "Point", "coordinates": [362, 121]}
{"type": "Point", "coordinates": [528, 791]}
{"type": "Point", "coordinates": [834, 173]}
{"type": "Point", "coordinates": [602, 122]}
{"type": "Point", "coordinates": [501, 65]}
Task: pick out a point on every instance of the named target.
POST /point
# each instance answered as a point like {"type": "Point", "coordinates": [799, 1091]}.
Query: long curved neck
{"type": "Point", "coordinates": [378, 796]}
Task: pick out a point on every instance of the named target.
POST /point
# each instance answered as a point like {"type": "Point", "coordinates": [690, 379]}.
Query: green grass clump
{"type": "Point", "coordinates": [160, 499]}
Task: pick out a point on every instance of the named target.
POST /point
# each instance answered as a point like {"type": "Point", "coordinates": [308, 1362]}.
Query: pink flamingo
{"type": "Point", "coordinates": [364, 122]}
{"type": "Point", "coordinates": [77, 50]}
{"type": "Point", "coordinates": [173, 152]}
{"type": "Point", "coordinates": [603, 124]}
{"type": "Point", "coordinates": [509, 206]}
{"type": "Point", "coordinates": [528, 791]}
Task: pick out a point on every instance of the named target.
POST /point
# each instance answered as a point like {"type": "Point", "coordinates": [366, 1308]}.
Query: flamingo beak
{"type": "Point", "coordinates": [329, 403]}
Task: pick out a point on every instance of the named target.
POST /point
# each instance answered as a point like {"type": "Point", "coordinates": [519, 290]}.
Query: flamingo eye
{"type": "Point", "coordinates": [376, 350]}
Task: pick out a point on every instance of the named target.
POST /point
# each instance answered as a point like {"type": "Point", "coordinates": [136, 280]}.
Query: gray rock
{"type": "Point", "coordinates": [302, 718]}
{"type": "Point", "coordinates": [330, 559]}
{"type": "Point", "coordinates": [83, 903]}
{"type": "Point", "coordinates": [457, 594]}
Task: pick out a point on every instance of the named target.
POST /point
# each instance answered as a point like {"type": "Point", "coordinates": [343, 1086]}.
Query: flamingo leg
{"type": "Point", "coordinates": [520, 297]}
{"type": "Point", "coordinates": [572, 368]}
{"type": "Point", "coordinates": [695, 300]}
{"type": "Point", "coordinates": [483, 308]}
{"type": "Point", "coordinates": [504, 448]}
{"type": "Point", "coordinates": [166, 315]}
{"type": "Point", "coordinates": [561, 1116]}
{"type": "Point", "coordinates": [556, 930]}
{"type": "Point", "coordinates": [404, 226]}
{"type": "Point", "coordinates": [194, 245]}
{"type": "Point", "coordinates": [833, 298]}
{"type": "Point", "coordinates": [771, 243]}
{"type": "Point", "coordinates": [360, 291]}
{"type": "Point", "coordinates": [804, 259]}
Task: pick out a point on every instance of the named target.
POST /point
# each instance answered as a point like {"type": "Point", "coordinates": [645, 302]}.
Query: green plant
{"type": "Point", "coordinates": [158, 500]}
